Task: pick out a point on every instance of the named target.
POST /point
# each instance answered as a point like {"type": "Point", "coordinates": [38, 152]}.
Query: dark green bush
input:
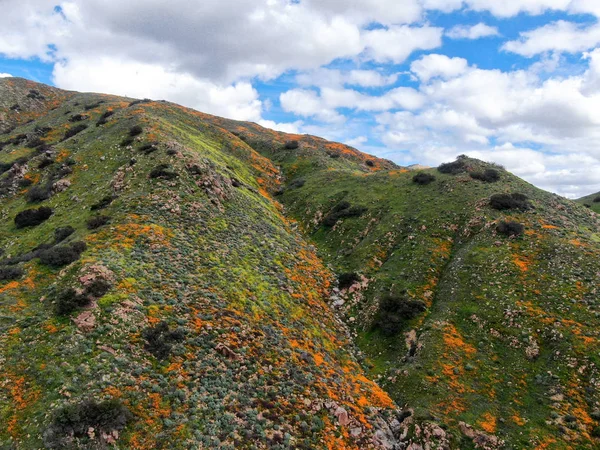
{"type": "Point", "coordinates": [347, 279]}
{"type": "Point", "coordinates": [292, 145]}
{"type": "Point", "coordinates": [103, 202]}
{"type": "Point", "coordinates": [148, 148]}
{"type": "Point", "coordinates": [74, 130]}
{"type": "Point", "coordinates": [394, 312]}
{"type": "Point", "coordinates": [342, 210]}
{"type": "Point", "coordinates": [509, 201]}
{"type": "Point", "coordinates": [34, 142]}
{"type": "Point", "coordinates": [10, 273]}
{"type": "Point", "coordinates": [39, 193]}
{"type": "Point", "coordinates": [104, 118]}
{"type": "Point", "coordinates": [423, 178]}
{"type": "Point", "coordinates": [32, 217]}
{"type": "Point", "coordinates": [62, 255]}
{"type": "Point", "coordinates": [93, 105]}
{"type": "Point", "coordinates": [78, 117]}
{"type": "Point", "coordinates": [96, 222]}
{"type": "Point", "coordinates": [126, 141]}
{"type": "Point", "coordinates": [370, 163]}
{"type": "Point", "coordinates": [597, 199]}
{"type": "Point", "coordinates": [74, 421]}
{"type": "Point", "coordinates": [297, 183]}
{"type": "Point", "coordinates": [69, 301]}
{"type": "Point", "coordinates": [61, 233]}
{"type": "Point", "coordinates": [138, 102]}
{"type": "Point", "coordinates": [135, 130]}
{"type": "Point", "coordinates": [163, 171]}
{"type": "Point", "coordinates": [159, 339]}
{"type": "Point", "coordinates": [487, 176]}
{"type": "Point", "coordinates": [453, 168]}
{"type": "Point", "coordinates": [45, 162]}
{"type": "Point", "coordinates": [510, 228]}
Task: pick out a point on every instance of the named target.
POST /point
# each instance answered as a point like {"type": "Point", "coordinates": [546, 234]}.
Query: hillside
{"type": "Point", "coordinates": [592, 201]}
{"type": "Point", "coordinates": [187, 281]}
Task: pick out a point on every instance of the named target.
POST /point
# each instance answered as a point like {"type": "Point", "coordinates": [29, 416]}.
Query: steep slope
{"type": "Point", "coordinates": [461, 322]}
{"type": "Point", "coordinates": [156, 297]}
{"type": "Point", "coordinates": [592, 201]}
{"type": "Point", "coordinates": [199, 315]}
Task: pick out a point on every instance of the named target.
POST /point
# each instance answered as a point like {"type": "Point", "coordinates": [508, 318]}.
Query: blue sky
{"type": "Point", "coordinates": [416, 81]}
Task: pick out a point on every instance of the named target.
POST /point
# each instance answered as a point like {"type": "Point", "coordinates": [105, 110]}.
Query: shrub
{"type": "Point", "coordinates": [452, 168]}
{"type": "Point", "coordinates": [597, 199]}
{"type": "Point", "coordinates": [61, 233]}
{"type": "Point", "coordinates": [341, 210]}
{"type": "Point", "coordinates": [103, 203]}
{"type": "Point", "coordinates": [10, 273]}
{"type": "Point", "coordinates": [510, 228]}
{"type": "Point", "coordinates": [292, 145]}
{"type": "Point", "coordinates": [159, 339]}
{"type": "Point", "coordinates": [137, 102]}
{"type": "Point", "coordinates": [96, 222]}
{"type": "Point", "coordinates": [78, 117]}
{"type": "Point", "coordinates": [487, 176]}
{"type": "Point", "coordinates": [45, 163]}
{"type": "Point", "coordinates": [509, 201]}
{"type": "Point", "coordinates": [5, 167]}
{"type": "Point", "coordinates": [93, 105]}
{"type": "Point", "coordinates": [39, 193]}
{"type": "Point", "coordinates": [334, 155]}
{"type": "Point", "coordinates": [62, 255]}
{"type": "Point", "coordinates": [104, 118]}
{"type": "Point", "coordinates": [135, 130]}
{"type": "Point", "coordinates": [32, 217]}
{"type": "Point", "coordinates": [423, 178]}
{"type": "Point", "coordinates": [69, 301]}
{"type": "Point", "coordinates": [34, 142]}
{"type": "Point", "coordinates": [163, 171]}
{"type": "Point", "coordinates": [369, 163]}
{"type": "Point", "coordinates": [297, 183]}
{"type": "Point", "coordinates": [75, 421]}
{"type": "Point", "coordinates": [35, 94]}
{"type": "Point", "coordinates": [74, 130]}
{"type": "Point", "coordinates": [395, 311]}
{"type": "Point", "coordinates": [148, 148]}
{"type": "Point", "coordinates": [126, 141]}
{"type": "Point", "coordinates": [347, 279]}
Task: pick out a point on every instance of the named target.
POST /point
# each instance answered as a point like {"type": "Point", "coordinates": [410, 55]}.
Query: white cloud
{"type": "Point", "coordinates": [509, 8]}
{"type": "Point", "coordinates": [396, 43]}
{"type": "Point", "coordinates": [324, 105]}
{"type": "Point", "coordinates": [5, 75]}
{"type": "Point", "coordinates": [558, 36]}
{"type": "Point", "coordinates": [548, 129]}
{"type": "Point", "coordinates": [334, 77]}
{"type": "Point", "coordinates": [433, 65]}
{"type": "Point", "coordinates": [238, 101]}
{"type": "Point", "coordinates": [286, 127]}
{"type": "Point", "coordinates": [472, 32]}
{"type": "Point", "coordinates": [357, 141]}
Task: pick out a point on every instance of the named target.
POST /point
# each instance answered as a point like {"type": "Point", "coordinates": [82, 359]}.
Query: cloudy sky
{"type": "Point", "coordinates": [415, 81]}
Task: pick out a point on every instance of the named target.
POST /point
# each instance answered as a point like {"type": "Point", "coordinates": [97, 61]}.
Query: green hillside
{"type": "Point", "coordinates": [171, 279]}
{"type": "Point", "coordinates": [591, 201]}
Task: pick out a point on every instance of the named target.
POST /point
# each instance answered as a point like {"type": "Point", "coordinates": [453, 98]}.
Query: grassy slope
{"type": "Point", "coordinates": [197, 252]}
{"type": "Point", "coordinates": [589, 200]}
{"type": "Point", "coordinates": [492, 301]}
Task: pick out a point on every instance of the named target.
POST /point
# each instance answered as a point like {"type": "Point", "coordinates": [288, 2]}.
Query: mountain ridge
{"type": "Point", "coordinates": [215, 246]}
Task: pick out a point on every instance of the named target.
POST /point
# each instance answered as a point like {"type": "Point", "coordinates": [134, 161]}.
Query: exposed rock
{"type": "Point", "coordinates": [85, 321]}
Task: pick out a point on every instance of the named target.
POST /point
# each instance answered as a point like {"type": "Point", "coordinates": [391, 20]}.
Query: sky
{"type": "Point", "coordinates": [516, 82]}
